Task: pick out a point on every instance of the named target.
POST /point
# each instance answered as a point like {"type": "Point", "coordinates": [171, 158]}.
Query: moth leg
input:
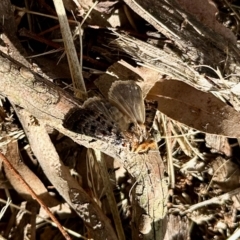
{"type": "Point", "coordinates": [146, 146]}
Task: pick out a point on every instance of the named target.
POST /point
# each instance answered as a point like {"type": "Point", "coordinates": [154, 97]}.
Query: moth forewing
{"type": "Point", "coordinates": [128, 97]}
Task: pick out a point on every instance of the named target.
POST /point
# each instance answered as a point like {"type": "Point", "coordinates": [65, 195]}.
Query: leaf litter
{"type": "Point", "coordinates": [194, 133]}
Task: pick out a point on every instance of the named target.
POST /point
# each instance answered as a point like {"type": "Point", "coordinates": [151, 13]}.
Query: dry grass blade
{"type": "Point", "coordinates": [77, 78]}
{"type": "Point", "coordinates": [109, 192]}
{"type": "Point", "coordinates": [3, 210]}
{"type": "Point", "coordinates": [235, 235]}
{"type": "Point", "coordinates": [169, 151]}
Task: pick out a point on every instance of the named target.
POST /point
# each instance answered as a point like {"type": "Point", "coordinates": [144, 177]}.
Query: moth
{"type": "Point", "coordinates": [120, 120]}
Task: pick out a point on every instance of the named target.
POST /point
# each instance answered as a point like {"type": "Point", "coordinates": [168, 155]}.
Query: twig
{"type": "Point", "coordinates": [215, 200]}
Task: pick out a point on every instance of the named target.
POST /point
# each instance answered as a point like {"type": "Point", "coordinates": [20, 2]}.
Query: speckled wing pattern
{"type": "Point", "coordinates": [111, 120]}
{"type": "Point", "coordinates": [94, 120]}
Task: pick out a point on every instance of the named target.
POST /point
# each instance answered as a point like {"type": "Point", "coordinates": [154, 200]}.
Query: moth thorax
{"type": "Point", "coordinates": [143, 132]}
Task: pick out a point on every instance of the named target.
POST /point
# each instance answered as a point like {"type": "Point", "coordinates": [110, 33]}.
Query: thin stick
{"type": "Point", "coordinates": [80, 33]}
{"type": "Point", "coordinates": [215, 200]}
{"type": "Point", "coordinates": [169, 153]}
{"type": "Point", "coordinates": [41, 14]}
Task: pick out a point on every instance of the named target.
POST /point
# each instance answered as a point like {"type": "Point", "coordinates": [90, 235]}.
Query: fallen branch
{"type": "Point", "coordinates": [47, 102]}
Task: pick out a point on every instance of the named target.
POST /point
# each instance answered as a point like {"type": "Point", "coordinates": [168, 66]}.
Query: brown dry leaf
{"type": "Point", "coordinates": [195, 108]}
{"type": "Point", "coordinates": [32, 180]}
{"type": "Point", "coordinates": [149, 76]}
{"type": "Point", "coordinates": [115, 72]}
{"type": "Point", "coordinates": [71, 5]}
{"type": "Point", "coordinates": [106, 6]}
{"type": "Point", "coordinates": [218, 144]}
{"type": "Point", "coordinates": [123, 71]}
{"type": "Point", "coordinates": [81, 6]}
{"type": "Point", "coordinates": [205, 11]}
{"type": "Point", "coordinates": [226, 174]}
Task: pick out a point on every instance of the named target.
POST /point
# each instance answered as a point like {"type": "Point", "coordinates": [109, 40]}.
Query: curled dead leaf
{"type": "Point", "coordinates": [196, 109]}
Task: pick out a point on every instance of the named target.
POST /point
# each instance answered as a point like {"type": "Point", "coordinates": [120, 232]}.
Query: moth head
{"type": "Point", "coordinates": [140, 132]}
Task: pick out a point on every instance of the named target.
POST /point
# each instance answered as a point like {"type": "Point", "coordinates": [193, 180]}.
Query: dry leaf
{"type": "Point", "coordinates": [32, 180]}
{"type": "Point", "coordinates": [205, 11]}
{"type": "Point", "coordinates": [106, 6]}
{"type": "Point", "coordinates": [195, 108]}
{"type": "Point", "coordinates": [71, 5]}
{"type": "Point", "coordinates": [148, 75]}
{"type": "Point", "coordinates": [226, 174]}
{"type": "Point", "coordinates": [115, 72]}
{"type": "Point", "coordinates": [218, 144]}
{"type": "Point", "coordinates": [121, 70]}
